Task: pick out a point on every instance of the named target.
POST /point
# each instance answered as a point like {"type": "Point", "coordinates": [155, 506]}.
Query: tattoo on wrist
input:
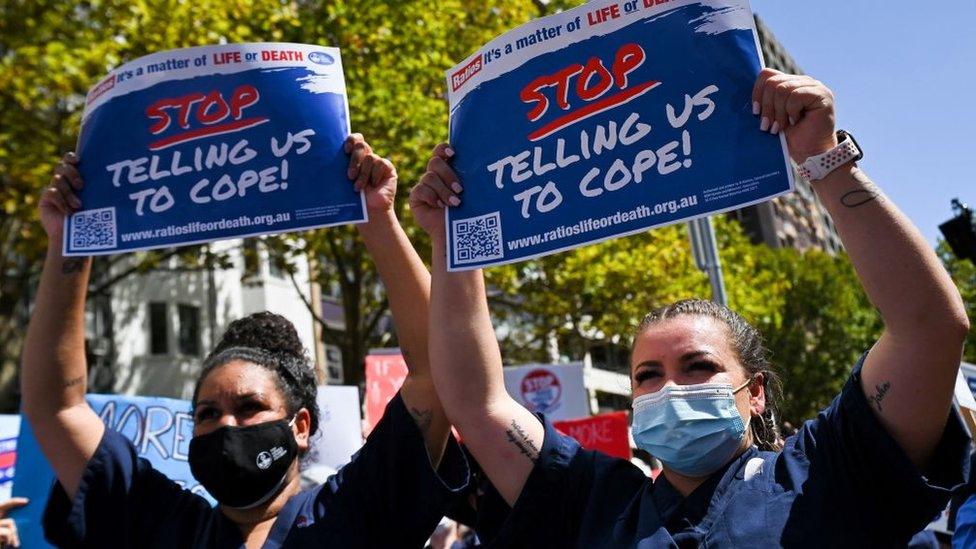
{"type": "Point", "coordinates": [516, 435]}
{"type": "Point", "coordinates": [423, 418]}
{"type": "Point", "coordinates": [72, 265]}
{"type": "Point", "coordinates": [859, 197]}
{"type": "Point", "coordinates": [72, 382]}
{"type": "Point", "coordinates": [881, 390]}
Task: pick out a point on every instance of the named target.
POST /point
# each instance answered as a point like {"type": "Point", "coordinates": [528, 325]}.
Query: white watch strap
{"type": "Point", "coordinates": [817, 167]}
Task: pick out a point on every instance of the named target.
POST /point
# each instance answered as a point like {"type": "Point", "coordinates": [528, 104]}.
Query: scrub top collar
{"type": "Point", "coordinates": [229, 534]}
{"type": "Point", "coordinates": [676, 512]}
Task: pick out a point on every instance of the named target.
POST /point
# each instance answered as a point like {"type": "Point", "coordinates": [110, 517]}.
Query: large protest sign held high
{"type": "Point", "coordinates": [603, 121]}
{"type": "Point", "coordinates": [215, 142]}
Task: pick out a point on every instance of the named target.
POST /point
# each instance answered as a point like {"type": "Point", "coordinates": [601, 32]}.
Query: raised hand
{"type": "Point", "coordinates": [438, 189]}
{"type": "Point", "coordinates": [59, 199]}
{"type": "Point", "coordinates": [8, 528]}
{"type": "Point", "coordinates": [799, 106]}
{"type": "Point", "coordinates": [374, 175]}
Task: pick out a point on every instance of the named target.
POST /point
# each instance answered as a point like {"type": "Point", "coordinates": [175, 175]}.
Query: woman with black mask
{"type": "Point", "coordinates": [254, 412]}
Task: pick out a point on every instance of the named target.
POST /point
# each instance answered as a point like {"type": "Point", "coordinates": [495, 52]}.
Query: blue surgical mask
{"type": "Point", "coordinates": [693, 429]}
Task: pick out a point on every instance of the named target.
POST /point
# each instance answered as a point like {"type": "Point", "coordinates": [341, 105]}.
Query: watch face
{"type": "Point", "coordinates": [842, 135]}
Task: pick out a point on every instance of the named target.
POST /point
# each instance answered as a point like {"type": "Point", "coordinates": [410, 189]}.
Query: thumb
{"type": "Point", "coordinates": [12, 503]}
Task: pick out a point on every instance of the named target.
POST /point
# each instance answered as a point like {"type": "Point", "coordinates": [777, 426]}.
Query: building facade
{"type": "Point", "coordinates": [150, 335]}
{"type": "Point", "coordinates": [798, 219]}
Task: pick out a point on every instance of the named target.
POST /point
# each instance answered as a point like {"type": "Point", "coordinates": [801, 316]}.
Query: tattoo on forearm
{"type": "Point", "coordinates": [859, 197]}
{"type": "Point", "coordinates": [881, 390]}
{"type": "Point", "coordinates": [423, 418]}
{"type": "Point", "coordinates": [73, 265]}
{"type": "Point", "coordinates": [72, 382]}
{"type": "Point", "coordinates": [517, 436]}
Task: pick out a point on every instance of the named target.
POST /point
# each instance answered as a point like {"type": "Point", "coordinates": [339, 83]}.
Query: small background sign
{"type": "Point", "coordinates": [385, 372]}
{"type": "Point", "coordinates": [553, 389]}
{"type": "Point", "coordinates": [607, 433]}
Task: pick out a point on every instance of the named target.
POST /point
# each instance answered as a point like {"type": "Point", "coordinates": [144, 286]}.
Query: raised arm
{"type": "Point", "coordinates": [465, 361]}
{"type": "Point", "coordinates": [54, 375]}
{"type": "Point", "coordinates": [407, 284]}
{"type": "Point", "coordinates": [909, 374]}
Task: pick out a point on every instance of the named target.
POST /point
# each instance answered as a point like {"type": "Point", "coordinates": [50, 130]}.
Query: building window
{"type": "Point", "coordinates": [189, 330]}
{"type": "Point", "coordinates": [333, 364]}
{"type": "Point", "coordinates": [158, 329]}
{"type": "Point", "coordinates": [252, 259]}
{"type": "Point", "coordinates": [274, 269]}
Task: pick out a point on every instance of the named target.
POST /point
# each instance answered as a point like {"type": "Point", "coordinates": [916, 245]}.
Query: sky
{"type": "Point", "coordinates": [904, 79]}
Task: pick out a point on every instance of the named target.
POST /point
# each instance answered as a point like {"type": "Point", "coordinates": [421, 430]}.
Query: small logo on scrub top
{"type": "Point", "coordinates": [321, 58]}
{"type": "Point", "coordinates": [541, 390]}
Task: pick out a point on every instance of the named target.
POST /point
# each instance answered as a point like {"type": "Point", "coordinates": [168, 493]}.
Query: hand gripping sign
{"type": "Point", "coordinates": [603, 121]}
{"type": "Point", "coordinates": [214, 142]}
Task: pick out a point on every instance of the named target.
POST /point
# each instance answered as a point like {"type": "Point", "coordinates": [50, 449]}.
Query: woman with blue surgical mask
{"type": "Point", "coordinates": [871, 470]}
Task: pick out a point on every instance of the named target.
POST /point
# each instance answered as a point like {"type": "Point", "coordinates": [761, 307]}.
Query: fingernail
{"type": "Point", "coordinates": [775, 129]}
{"type": "Point", "coordinates": [764, 124]}
{"type": "Point", "coordinates": [792, 121]}
{"type": "Point", "coordinates": [456, 187]}
{"type": "Point", "coordinates": [454, 201]}
{"type": "Point", "coordinates": [441, 203]}
{"type": "Point", "coordinates": [449, 152]}
{"type": "Point", "coordinates": [75, 202]}
{"type": "Point", "coordinates": [755, 107]}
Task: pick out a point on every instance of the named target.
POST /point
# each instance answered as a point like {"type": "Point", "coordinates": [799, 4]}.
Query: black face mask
{"type": "Point", "coordinates": [242, 467]}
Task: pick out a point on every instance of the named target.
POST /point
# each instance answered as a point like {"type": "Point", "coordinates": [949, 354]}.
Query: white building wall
{"type": "Point", "coordinates": [173, 374]}
{"type": "Point", "coordinates": [137, 370]}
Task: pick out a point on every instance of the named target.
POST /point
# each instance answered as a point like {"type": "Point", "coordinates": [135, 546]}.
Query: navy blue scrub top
{"type": "Point", "coordinates": [841, 481]}
{"type": "Point", "coordinates": [387, 496]}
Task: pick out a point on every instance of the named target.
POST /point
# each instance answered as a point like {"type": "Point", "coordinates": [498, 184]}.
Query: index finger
{"type": "Point", "coordinates": [351, 141]}
{"type": "Point", "coordinates": [757, 88]}
{"type": "Point", "coordinates": [12, 503]}
{"type": "Point", "coordinates": [444, 150]}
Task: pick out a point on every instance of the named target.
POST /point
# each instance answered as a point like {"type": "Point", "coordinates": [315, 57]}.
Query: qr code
{"type": "Point", "coordinates": [93, 230]}
{"type": "Point", "coordinates": [478, 238]}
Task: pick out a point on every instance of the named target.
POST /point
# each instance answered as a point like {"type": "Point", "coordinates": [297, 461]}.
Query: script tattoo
{"type": "Point", "coordinates": [423, 418]}
{"type": "Point", "coordinates": [881, 391]}
{"type": "Point", "coordinates": [72, 265]}
{"type": "Point", "coordinates": [72, 382]}
{"type": "Point", "coordinates": [517, 436]}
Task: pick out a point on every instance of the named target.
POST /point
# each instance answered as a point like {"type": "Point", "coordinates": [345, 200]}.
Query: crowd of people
{"type": "Point", "coordinates": [871, 470]}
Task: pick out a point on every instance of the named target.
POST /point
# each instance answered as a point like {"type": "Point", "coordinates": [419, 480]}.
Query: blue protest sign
{"type": "Point", "coordinates": [603, 121]}
{"type": "Point", "coordinates": [215, 142]}
{"type": "Point", "coordinates": [160, 429]}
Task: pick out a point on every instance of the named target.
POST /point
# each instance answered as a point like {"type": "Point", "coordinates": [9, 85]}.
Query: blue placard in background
{"type": "Point", "coordinates": [215, 142]}
{"type": "Point", "coordinates": [603, 121]}
{"type": "Point", "coordinates": [160, 429]}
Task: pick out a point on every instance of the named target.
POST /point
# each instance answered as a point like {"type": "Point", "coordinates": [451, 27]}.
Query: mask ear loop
{"type": "Point", "coordinates": [746, 384]}
{"type": "Point", "coordinates": [741, 387]}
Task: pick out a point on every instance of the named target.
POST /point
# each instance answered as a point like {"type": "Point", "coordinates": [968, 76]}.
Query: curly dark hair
{"type": "Point", "coordinates": [270, 341]}
{"type": "Point", "coordinates": [748, 345]}
{"type": "Point", "coordinates": [265, 330]}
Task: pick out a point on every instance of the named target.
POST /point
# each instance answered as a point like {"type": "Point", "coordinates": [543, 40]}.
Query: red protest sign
{"type": "Point", "coordinates": [605, 432]}
{"type": "Point", "coordinates": [384, 376]}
